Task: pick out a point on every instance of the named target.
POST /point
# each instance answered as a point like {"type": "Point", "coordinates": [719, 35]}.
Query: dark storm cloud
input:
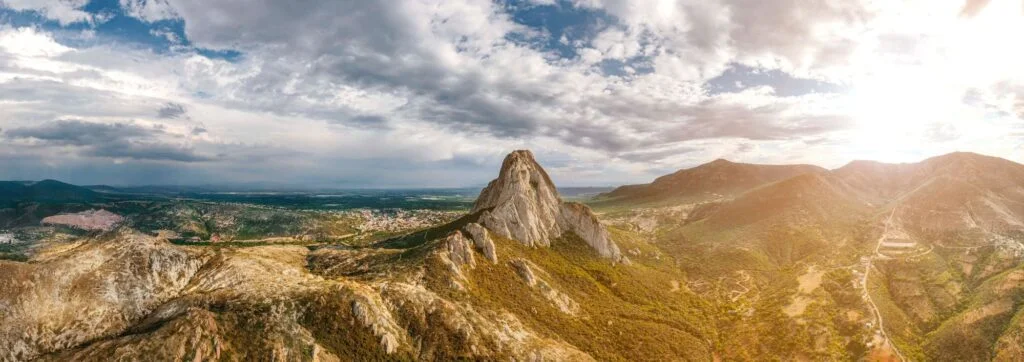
{"type": "Point", "coordinates": [371, 121]}
{"type": "Point", "coordinates": [137, 150]}
{"type": "Point", "coordinates": [172, 110]}
{"type": "Point", "coordinates": [117, 140]}
{"type": "Point", "coordinates": [79, 133]}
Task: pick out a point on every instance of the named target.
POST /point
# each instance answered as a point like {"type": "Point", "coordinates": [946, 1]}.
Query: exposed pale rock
{"type": "Point", "coordinates": [563, 302]}
{"type": "Point", "coordinates": [578, 218]}
{"type": "Point", "coordinates": [523, 269]}
{"type": "Point", "coordinates": [116, 282]}
{"type": "Point", "coordinates": [456, 253]}
{"type": "Point", "coordinates": [370, 310]}
{"type": "Point", "coordinates": [482, 239]}
{"type": "Point", "coordinates": [128, 296]}
{"type": "Point", "coordinates": [86, 220]}
{"type": "Point", "coordinates": [523, 204]}
{"type": "Point", "coordinates": [459, 250]}
{"type": "Point", "coordinates": [482, 334]}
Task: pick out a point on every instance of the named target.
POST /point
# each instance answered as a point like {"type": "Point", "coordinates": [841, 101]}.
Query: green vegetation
{"type": "Point", "coordinates": [14, 252]}
{"type": "Point", "coordinates": [628, 312]}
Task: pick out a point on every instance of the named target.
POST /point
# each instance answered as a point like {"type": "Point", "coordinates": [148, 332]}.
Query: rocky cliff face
{"type": "Point", "coordinates": [523, 204]}
{"type": "Point", "coordinates": [129, 296]}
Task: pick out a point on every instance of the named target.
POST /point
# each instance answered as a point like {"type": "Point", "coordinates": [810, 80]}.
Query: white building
{"type": "Point", "coordinates": [7, 238]}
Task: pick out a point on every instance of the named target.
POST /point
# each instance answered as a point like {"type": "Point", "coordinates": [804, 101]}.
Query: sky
{"type": "Point", "coordinates": [431, 93]}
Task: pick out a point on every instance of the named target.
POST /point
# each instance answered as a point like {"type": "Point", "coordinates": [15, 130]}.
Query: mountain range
{"type": "Point", "coordinates": [723, 261]}
{"type": "Point", "coordinates": [44, 191]}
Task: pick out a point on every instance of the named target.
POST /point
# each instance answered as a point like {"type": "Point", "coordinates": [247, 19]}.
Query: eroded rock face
{"type": "Point", "coordinates": [482, 240]}
{"type": "Point", "coordinates": [579, 219]}
{"type": "Point", "coordinates": [523, 204]}
{"type": "Point", "coordinates": [560, 300]}
{"type": "Point", "coordinates": [459, 250]}
{"type": "Point", "coordinates": [117, 281]}
{"type": "Point", "coordinates": [135, 297]}
{"type": "Point", "coordinates": [456, 253]}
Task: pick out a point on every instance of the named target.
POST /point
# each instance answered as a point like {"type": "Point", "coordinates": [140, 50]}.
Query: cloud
{"type": "Point", "coordinates": [64, 11]}
{"type": "Point", "coordinates": [148, 10]}
{"type": "Point", "coordinates": [614, 86]}
{"type": "Point", "coordinates": [78, 133]}
{"type": "Point", "coordinates": [172, 110]}
{"type": "Point", "coordinates": [117, 140]}
{"type": "Point", "coordinates": [142, 150]}
{"type": "Point", "coordinates": [466, 75]}
{"type": "Point", "coordinates": [655, 155]}
{"type": "Point", "coordinates": [973, 7]}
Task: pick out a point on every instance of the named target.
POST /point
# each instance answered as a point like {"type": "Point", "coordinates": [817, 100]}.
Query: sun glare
{"type": "Point", "coordinates": [897, 105]}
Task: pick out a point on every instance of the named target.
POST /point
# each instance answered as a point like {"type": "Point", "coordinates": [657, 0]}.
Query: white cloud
{"type": "Point", "coordinates": [63, 11]}
{"type": "Point", "coordinates": [326, 90]}
{"type": "Point", "coordinates": [148, 10]}
{"type": "Point", "coordinates": [29, 42]}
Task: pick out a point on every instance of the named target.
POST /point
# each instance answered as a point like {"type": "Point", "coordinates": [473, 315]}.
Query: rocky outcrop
{"type": "Point", "coordinates": [482, 239]}
{"type": "Point", "coordinates": [459, 250]}
{"type": "Point", "coordinates": [560, 300]}
{"type": "Point", "coordinates": [523, 204]}
{"type": "Point", "coordinates": [580, 220]}
{"type": "Point", "coordinates": [456, 253]}
{"type": "Point", "coordinates": [117, 281]}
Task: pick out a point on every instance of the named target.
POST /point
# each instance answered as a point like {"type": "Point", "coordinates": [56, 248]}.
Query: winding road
{"type": "Point", "coordinates": [867, 294]}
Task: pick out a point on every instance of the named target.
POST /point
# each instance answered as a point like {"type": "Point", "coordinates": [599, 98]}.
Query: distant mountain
{"type": "Point", "coordinates": [956, 191]}
{"type": "Point", "coordinates": [154, 189]}
{"type": "Point", "coordinates": [945, 236]}
{"type": "Point", "coordinates": [719, 177]}
{"type": "Point", "coordinates": [44, 191]}
{"type": "Point", "coordinates": [810, 198]}
{"type": "Point", "coordinates": [10, 190]}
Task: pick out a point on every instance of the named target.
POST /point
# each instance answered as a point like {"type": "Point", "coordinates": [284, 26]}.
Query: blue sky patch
{"type": "Point", "coordinates": [114, 25]}
{"type": "Point", "coordinates": [739, 77]}
{"type": "Point", "coordinates": [567, 26]}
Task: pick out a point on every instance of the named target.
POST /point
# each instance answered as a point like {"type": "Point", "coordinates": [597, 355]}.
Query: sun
{"type": "Point", "coordinates": [897, 102]}
{"type": "Point", "coordinates": [892, 114]}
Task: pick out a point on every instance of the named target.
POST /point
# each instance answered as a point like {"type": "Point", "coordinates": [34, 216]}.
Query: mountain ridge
{"type": "Point", "coordinates": [718, 177]}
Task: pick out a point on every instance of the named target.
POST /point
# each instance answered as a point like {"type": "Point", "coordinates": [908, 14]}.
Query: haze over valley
{"type": "Point", "coordinates": [511, 180]}
{"type": "Point", "coordinates": [917, 261]}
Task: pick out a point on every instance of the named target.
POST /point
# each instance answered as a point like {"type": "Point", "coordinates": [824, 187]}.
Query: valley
{"type": "Point", "coordinates": [725, 261]}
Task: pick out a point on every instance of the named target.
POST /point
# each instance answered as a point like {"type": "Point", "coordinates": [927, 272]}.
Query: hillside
{"type": "Point", "coordinates": [708, 181]}
{"type": "Point", "coordinates": [560, 290]}
{"type": "Point", "coordinates": [934, 243]}
{"type": "Point", "coordinates": [871, 261]}
{"type": "Point", "coordinates": [47, 191]}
